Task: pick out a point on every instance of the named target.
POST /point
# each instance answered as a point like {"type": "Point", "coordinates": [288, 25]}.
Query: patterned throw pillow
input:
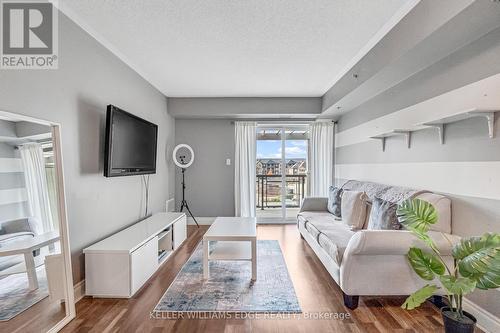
{"type": "Point", "coordinates": [334, 201]}
{"type": "Point", "coordinates": [383, 216]}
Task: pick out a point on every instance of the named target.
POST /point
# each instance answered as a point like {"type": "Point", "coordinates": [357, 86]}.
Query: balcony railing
{"type": "Point", "coordinates": [269, 193]}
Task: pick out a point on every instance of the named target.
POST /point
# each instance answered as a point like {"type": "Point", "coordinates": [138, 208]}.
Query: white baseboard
{"type": "Point", "coordinates": [201, 220]}
{"type": "Point", "coordinates": [79, 290]}
{"type": "Point", "coordinates": [485, 320]}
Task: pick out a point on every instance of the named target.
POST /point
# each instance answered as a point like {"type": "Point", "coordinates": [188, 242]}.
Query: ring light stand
{"type": "Point", "coordinates": [183, 164]}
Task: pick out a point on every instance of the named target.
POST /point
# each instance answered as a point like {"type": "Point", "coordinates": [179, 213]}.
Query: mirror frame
{"type": "Point", "coordinates": [63, 218]}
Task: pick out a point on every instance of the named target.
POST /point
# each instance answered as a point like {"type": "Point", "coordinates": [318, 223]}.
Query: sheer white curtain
{"type": "Point", "coordinates": [321, 163]}
{"type": "Point", "coordinates": [36, 186]}
{"type": "Point", "coordinates": [244, 168]}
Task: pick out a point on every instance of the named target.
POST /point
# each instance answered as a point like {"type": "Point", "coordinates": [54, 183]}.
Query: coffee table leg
{"type": "Point", "coordinates": [254, 259]}
{"type": "Point", "coordinates": [205, 259]}
{"type": "Point", "coordinates": [31, 270]}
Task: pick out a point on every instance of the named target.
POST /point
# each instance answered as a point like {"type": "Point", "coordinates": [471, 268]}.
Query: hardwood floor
{"type": "Point", "coordinates": [316, 291]}
{"type": "Point", "coordinates": [38, 318]}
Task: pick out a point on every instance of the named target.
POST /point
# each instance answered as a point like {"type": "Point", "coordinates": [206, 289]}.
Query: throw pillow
{"type": "Point", "coordinates": [334, 200]}
{"type": "Point", "coordinates": [353, 206]}
{"type": "Point", "coordinates": [383, 216]}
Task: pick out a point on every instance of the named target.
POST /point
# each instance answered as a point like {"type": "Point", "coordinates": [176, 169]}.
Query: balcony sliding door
{"type": "Point", "coordinates": [281, 172]}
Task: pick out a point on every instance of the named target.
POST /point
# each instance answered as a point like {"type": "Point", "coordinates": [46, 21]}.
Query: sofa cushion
{"type": "Point", "coordinates": [383, 216]}
{"type": "Point", "coordinates": [14, 237]}
{"type": "Point", "coordinates": [319, 216]}
{"type": "Point", "coordinates": [334, 201]}
{"type": "Point", "coordinates": [25, 224]}
{"type": "Point", "coordinates": [310, 218]}
{"type": "Point", "coordinates": [333, 238]}
{"type": "Point", "coordinates": [312, 230]}
{"type": "Point", "coordinates": [354, 208]}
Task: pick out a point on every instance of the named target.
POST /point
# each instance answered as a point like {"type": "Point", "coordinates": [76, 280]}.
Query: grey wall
{"type": "Point", "coordinates": [465, 141]}
{"type": "Point", "coordinates": [25, 129]}
{"type": "Point", "coordinates": [8, 181]}
{"type": "Point", "coordinates": [7, 128]}
{"type": "Point", "coordinates": [75, 95]}
{"type": "Point", "coordinates": [203, 123]}
{"type": "Point", "coordinates": [7, 151]}
{"type": "Point", "coordinates": [443, 28]}
{"type": "Point", "coordinates": [245, 107]}
{"type": "Point", "coordinates": [210, 182]}
{"type": "Point", "coordinates": [473, 62]}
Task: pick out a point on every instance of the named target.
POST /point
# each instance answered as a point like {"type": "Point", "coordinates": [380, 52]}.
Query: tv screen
{"type": "Point", "coordinates": [130, 144]}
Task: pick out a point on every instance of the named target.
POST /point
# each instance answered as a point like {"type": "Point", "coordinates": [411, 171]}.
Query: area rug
{"type": "Point", "coordinates": [229, 288]}
{"type": "Point", "coordinates": [15, 296]}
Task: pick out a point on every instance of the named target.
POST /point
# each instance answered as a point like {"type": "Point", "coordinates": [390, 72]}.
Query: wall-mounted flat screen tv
{"type": "Point", "coordinates": [130, 144]}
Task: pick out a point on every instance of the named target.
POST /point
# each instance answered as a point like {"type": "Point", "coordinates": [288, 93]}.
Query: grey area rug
{"type": "Point", "coordinates": [15, 296]}
{"type": "Point", "coordinates": [229, 288]}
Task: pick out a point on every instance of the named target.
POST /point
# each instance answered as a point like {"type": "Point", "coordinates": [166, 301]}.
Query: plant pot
{"type": "Point", "coordinates": [454, 324]}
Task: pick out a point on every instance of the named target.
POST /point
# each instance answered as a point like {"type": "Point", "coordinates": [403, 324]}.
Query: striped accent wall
{"type": "Point", "coordinates": [13, 196]}
{"type": "Point", "coordinates": [466, 167]}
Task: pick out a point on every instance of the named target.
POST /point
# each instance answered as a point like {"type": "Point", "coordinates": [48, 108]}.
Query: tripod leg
{"type": "Point", "coordinates": [183, 204]}
{"type": "Point", "coordinates": [187, 207]}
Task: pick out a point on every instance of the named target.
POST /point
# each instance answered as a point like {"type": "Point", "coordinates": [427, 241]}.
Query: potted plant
{"type": "Point", "coordinates": [476, 264]}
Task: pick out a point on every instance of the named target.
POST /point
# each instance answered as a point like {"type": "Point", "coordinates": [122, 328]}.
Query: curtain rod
{"type": "Point", "coordinates": [291, 122]}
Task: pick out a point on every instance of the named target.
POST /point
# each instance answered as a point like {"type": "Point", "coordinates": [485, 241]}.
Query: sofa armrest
{"type": "Point", "coordinates": [12, 236]}
{"type": "Point", "coordinates": [20, 225]}
{"type": "Point", "coordinates": [314, 204]}
{"type": "Point", "coordinates": [396, 242]}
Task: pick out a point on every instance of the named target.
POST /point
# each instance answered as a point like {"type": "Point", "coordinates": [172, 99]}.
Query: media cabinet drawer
{"type": "Point", "coordinates": [143, 263]}
{"type": "Point", "coordinates": [180, 232]}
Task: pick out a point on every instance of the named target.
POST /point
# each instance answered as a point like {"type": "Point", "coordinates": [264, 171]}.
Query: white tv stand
{"type": "Point", "coordinates": [119, 265]}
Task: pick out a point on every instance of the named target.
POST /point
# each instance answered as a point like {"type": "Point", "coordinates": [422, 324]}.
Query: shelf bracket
{"type": "Point", "coordinates": [440, 129]}
{"type": "Point", "coordinates": [382, 140]}
{"type": "Point", "coordinates": [407, 134]}
{"type": "Point", "coordinates": [490, 117]}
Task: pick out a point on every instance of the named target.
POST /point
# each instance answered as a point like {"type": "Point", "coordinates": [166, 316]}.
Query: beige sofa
{"type": "Point", "coordinates": [371, 262]}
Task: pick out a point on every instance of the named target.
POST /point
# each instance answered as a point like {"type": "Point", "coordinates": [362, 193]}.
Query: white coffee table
{"type": "Point", "coordinates": [26, 248]}
{"type": "Point", "coordinates": [236, 240]}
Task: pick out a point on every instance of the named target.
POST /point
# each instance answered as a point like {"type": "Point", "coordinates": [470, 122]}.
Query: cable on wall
{"type": "Point", "coordinates": [145, 181]}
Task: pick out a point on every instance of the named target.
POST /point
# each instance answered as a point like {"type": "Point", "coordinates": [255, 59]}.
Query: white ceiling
{"type": "Point", "coordinates": [235, 48]}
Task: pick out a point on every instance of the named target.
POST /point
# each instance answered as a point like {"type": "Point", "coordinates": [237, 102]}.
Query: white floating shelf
{"type": "Point", "coordinates": [382, 137]}
{"type": "Point", "coordinates": [440, 125]}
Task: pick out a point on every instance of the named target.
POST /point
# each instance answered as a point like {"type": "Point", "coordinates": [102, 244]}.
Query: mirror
{"type": "Point", "coordinates": [36, 285]}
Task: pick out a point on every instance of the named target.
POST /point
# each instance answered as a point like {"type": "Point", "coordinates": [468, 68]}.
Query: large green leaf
{"type": "Point", "coordinates": [417, 214]}
{"type": "Point", "coordinates": [479, 259]}
{"type": "Point", "coordinates": [418, 297]}
{"type": "Point", "coordinates": [424, 237]}
{"type": "Point", "coordinates": [457, 285]}
{"type": "Point", "coordinates": [425, 264]}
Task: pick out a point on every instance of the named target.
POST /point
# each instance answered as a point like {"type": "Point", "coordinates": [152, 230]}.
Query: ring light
{"type": "Point", "coordinates": [181, 163]}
